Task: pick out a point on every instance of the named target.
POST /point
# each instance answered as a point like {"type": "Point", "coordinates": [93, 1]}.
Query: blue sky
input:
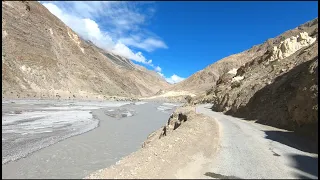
{"type": "Point", "coordinates": [178, 39]}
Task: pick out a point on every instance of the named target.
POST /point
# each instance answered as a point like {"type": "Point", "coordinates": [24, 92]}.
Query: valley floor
{"type": "Point", "coordinates": [49, 138]}
{"type": "Point", "coordinates": [213, 145]}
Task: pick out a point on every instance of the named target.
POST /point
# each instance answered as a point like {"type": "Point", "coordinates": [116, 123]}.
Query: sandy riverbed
{"type": "Point", "coordinates": [113, 130]}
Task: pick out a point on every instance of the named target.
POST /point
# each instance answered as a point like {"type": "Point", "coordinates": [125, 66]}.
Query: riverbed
{"type": "Point", "coordinates": [71, 139]}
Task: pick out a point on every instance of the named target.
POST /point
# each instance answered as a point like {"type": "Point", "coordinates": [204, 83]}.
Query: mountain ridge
{"type": "Point", "coordinates": [278, 88]}
{"type": "Point", "coordinates": [44, 58]}
{"type": "Point", "coordinates": [206, 78]}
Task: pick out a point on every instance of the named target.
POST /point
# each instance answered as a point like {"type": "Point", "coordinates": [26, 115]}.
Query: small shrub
{"type": "Point", "coordinates": [282, 38]}
{"type": "Point", "coordinates": [188, 99]}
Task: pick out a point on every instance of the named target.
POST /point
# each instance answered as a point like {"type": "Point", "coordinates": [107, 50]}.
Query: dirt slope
{"type": "Point", "coordinates": [43, 58]}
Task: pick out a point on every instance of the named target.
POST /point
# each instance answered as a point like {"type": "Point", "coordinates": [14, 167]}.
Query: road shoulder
{"type": "Point", "coordinates": [184, 152]}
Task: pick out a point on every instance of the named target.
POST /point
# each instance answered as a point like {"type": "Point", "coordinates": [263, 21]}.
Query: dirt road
{"type": "Point", "coordinates": [252, 150]}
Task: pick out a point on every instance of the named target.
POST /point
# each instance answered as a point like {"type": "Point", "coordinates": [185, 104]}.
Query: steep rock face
{"type": "Point", "coordinates": [207, 78]}
{"type": "Point", "coordinates": [43, 58]}
{"type": "Point", "coordinates": [291, 45]}
{"type": "Point", "coordinates": [280, 91]}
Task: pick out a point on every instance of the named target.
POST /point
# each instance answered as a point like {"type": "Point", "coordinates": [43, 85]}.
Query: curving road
{"type": "Point", "coordinates": [251, 150]}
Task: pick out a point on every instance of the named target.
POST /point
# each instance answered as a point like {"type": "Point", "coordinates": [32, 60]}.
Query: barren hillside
{"type": "Point", "coordinates": [279, 88]}
{"type": "Point", "coordinates": [207, 78]}
{"type": "Point", "coordinates": [43, 58]}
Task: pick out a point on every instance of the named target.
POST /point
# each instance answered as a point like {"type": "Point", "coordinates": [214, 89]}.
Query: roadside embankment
{"type": "Point", "coordinates": [180, 149]}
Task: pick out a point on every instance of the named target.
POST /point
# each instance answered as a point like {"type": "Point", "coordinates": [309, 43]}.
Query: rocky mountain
{"type": "Point", "coordinates": [43, 58]}
{"type": "Point", "coordinates": [278, 87]}
{"type": "Point", "coordinates": [205, 79]}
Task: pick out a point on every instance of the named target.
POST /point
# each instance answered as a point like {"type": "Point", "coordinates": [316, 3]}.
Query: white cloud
{"type": "Point", "coordinates": [92, 28]}
{"type": "Point", "coordinates": [174, 79]}
{"type": "Point", "coordinates": [149, 44]}
{"type": "Point", "coordinates": [162, 75]}
{"type": "Point", "coordinates": [119, 18]}
{"type": "Point", "coordinates": [158, 69]}
{"type": "Point", "coordinates": [123, 50]}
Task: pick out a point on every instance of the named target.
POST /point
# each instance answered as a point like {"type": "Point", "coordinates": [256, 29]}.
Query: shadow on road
{"type": "Point", "coordinates": [306, 164]}
{"type": "Point", "coordinates": [293, 140]}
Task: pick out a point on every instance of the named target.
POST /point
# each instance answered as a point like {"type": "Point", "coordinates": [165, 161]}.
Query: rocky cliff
{"type": "Point", "coordinates": [278, 88]}
{"type": "Point", "coordinates": [205, 79]}
{"type": "Point", "coordinates": [43, 58]}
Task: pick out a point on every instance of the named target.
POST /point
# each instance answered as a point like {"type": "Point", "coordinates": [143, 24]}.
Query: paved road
{"type": "Point", "coordinates": [252, 150]}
